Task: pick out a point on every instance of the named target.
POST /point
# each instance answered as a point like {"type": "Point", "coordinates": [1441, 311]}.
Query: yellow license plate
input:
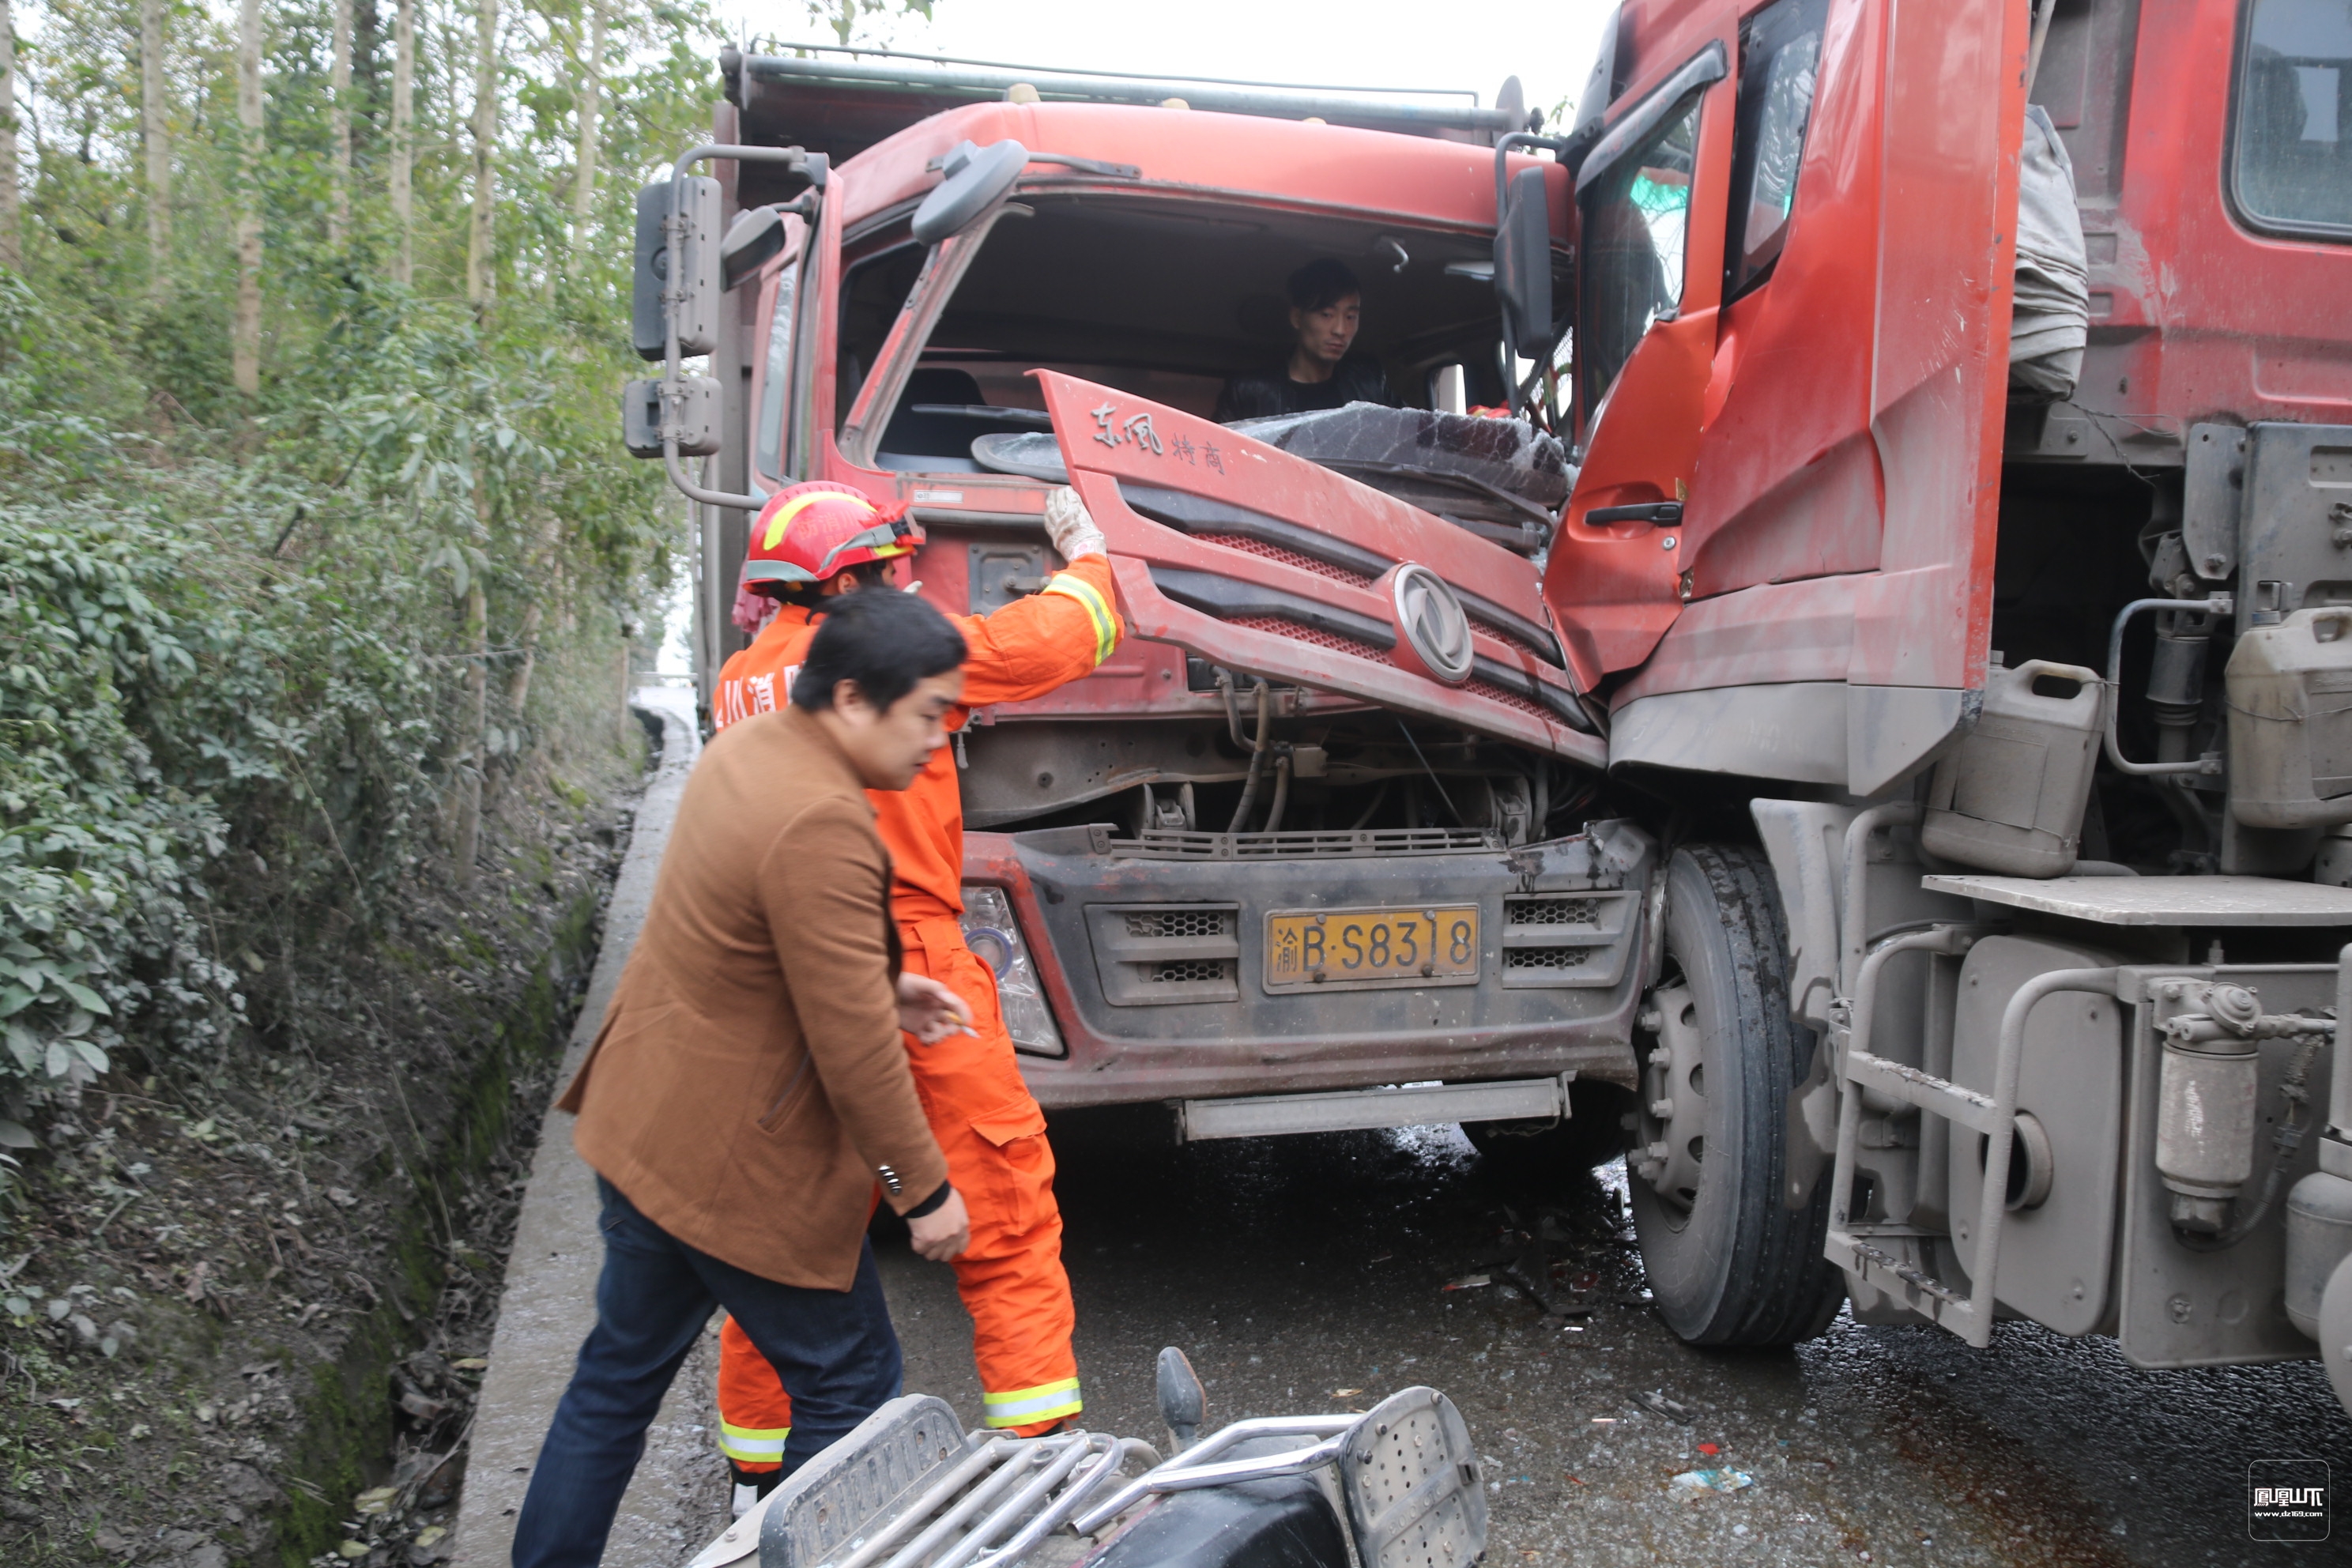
{"type": "Point", "coordinates": [1307, 950]}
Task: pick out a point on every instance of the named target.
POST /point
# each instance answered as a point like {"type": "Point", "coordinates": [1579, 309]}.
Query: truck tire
{"type": "Point", "coordinates": [1593, 1134]}
{"type": "Point", "coordinates": [1728, 1262]}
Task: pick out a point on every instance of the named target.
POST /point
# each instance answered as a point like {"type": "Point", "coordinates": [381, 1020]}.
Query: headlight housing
{"type": "Point", "coordinates": [992, 933]}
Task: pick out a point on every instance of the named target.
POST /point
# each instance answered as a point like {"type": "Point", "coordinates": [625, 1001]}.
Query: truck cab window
{"type": "Point", "coordinates": [1634, 215]}
{"type": "Point", "coordinates": [1779, 53]}
{"type": "Point", "coordinates": [2291, 166]}
{"type": "Point", "coordinates": [776, 374]}
{"type": "Point", "coordinates": [873, 293]}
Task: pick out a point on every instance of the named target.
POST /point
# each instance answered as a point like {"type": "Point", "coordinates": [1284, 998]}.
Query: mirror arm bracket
{"type": "Point", "coordinates": [1504, 148]}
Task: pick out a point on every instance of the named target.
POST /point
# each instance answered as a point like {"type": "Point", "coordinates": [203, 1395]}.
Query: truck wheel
{"type": "Point", "coordinates": [1728, 1262]}
{"type": "Point", "coordinates": [1593, 1134]}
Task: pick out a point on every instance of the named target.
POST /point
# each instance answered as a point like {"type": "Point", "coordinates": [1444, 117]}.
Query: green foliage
{"type": "Point", "coordinates": [235, 711]}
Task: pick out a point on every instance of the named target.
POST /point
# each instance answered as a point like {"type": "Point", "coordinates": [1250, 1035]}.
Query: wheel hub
{"type": "Point", "coordinates": [1672, 1122]}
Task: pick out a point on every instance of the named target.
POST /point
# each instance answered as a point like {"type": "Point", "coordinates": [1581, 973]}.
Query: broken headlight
{"type": "Point", "coordinates": [991, 931]}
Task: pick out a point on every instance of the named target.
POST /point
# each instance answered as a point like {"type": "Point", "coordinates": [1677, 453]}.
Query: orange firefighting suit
{"type": "Point", "coordinates": [990, 1129]}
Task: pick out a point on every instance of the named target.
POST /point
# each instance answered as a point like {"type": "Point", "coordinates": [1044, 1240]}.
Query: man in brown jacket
{"type": "Point", "coordinates": [748, 1092]}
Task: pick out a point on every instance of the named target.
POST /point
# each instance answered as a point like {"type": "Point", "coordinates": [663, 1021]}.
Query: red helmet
{"type": "Point", "coordinates": [816, 530]}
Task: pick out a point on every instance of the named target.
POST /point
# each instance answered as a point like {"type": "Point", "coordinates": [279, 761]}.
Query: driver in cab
{"type": "Point", "coordinates": [1327, 308]}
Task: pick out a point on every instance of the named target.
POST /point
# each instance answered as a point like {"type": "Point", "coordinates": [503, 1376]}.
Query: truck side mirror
{"type": "Point", "coordinates": [698, 313]}
{"type": "Point", "coordinates": [754, 237]}
{"type": "Point", "coordinates": [976, 179]}
{"type": "Point", "coordinates": [640, 418]}
{"type": "Point", "coordinates": [1522, 265]}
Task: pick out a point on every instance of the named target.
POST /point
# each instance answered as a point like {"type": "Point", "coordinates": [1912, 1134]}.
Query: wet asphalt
{"type": "Point", "coordinates": [1312, 1274]}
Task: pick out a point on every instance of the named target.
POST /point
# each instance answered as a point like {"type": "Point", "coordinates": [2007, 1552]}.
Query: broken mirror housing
{"type": "Point", "coordinates": [754, 238]}
{"type": "Point", "coordinates": [974, 179]}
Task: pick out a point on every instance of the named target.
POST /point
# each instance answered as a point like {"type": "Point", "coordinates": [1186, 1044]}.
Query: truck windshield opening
{"type": "Point", "coordinates": [1167, 298]}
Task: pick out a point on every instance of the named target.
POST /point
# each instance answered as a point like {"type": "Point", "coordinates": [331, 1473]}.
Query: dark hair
{"type": "Point", "coordinates": [812, 595]}
{"type": "Point", "coordinates": [884, 640]}
{"type": "Point", "coordinates": [1319, 285]}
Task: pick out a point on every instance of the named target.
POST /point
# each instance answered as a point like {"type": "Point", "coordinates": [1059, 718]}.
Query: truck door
{"type": "Point", "coordinates": [1779, 553]}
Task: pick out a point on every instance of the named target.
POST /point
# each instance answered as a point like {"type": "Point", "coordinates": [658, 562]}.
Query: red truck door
{"type": "Point", "coordinates": [1820, 392]}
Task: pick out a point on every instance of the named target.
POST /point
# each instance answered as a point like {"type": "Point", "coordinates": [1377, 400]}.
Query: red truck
{"type": "Point", "coordinates": [1897, 791]}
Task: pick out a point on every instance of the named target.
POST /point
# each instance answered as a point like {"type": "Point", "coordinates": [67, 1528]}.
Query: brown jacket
{"type": "Point", "coordinates": [748, 1086]}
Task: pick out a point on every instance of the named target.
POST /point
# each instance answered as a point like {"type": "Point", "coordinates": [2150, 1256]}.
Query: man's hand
{"type": "Point", "coordinates": [944, 1232]}
{"type": "Point", "coordinates": [1070, 527]}
{"type": "Point", "coordinates": [929, 1011]}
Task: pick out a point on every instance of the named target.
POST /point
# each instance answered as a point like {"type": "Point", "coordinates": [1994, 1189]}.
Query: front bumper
{"type": "Point", "coordinates": [1156, 969]}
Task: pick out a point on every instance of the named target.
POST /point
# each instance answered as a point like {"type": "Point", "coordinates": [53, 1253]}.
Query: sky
{"type": "Point", "coordinates": [1369, 43]}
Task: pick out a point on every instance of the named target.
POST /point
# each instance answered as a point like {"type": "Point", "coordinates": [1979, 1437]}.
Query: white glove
{"type": "Point", "coordinates": [1073, 532]}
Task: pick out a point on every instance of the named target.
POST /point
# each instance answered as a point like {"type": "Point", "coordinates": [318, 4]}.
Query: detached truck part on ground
{"type": "Point", "coordinates": [1901, 797]}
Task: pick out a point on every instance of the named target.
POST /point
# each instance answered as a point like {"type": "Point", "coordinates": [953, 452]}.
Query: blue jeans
{"type": "Point", "coordinates": [835, 1351]}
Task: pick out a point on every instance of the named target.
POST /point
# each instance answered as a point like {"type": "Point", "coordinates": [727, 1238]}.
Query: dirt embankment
{"type": "Point", "coordinates": [243, 1309]}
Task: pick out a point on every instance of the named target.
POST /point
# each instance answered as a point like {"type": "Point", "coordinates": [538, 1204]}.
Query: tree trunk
{"type": "Point", "coordinates": [474, 722]}
{"type": "Point", "coordinates": [339, 122]}
{"type": "Point", "coordinates": [543, 569]}
{"type": "Point", "coordinates": [157, 136]}
{"type": "Point", "coordinates": [245, 331]}
{"type": "Point", "coordinates": [404, 121]}
{"type": "Point", "coordinates": [479, 233]}
{"type": "Point", "coordinates": [591, 90]}
{"type": "Point", "coordinates": [10, 255]}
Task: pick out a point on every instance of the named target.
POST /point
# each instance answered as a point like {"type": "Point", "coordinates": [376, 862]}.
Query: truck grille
{"type": "Point", "coordinates": [1265, 551]}
{"type": "Point", "coordinates": [1298, 631]}
{"type": "Point", "coordinates": [1564, 940]}
{"type": "Point", "coordinates": [1339, 845]}
{"type": "Point", "coordinates": [1155, 923]}
{"type": "Point", "coordinates": [1511, 699]}
{"type": "Point", "coordinates": [1155, 955]}
{"type": "Point", "coordinates": [1553, 911]}
{"type": "Point", "coordinates": [1548, 960]}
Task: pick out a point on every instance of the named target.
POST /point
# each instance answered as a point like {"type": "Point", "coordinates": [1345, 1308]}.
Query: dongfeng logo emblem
{"type": "Point", "coordinates": [2286, 1499]}
{"type": "Point", "coordinates": [1431, 622]}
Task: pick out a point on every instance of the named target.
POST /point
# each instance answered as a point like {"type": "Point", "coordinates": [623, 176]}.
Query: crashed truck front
{"type": "Point", "coordinates": [1320, 825]}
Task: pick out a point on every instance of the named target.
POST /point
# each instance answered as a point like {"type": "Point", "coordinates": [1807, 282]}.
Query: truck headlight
{"type": "Point", "coordinates": [992, 933]}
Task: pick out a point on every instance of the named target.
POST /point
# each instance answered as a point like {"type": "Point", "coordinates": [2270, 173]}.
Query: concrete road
{"type": "Point", "coordinates": [1311, 1273]}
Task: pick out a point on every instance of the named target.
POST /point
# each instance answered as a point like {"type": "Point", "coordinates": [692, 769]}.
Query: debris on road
{"type": "Point", "coordinates": [1695, 1481]}
{"type": "Point", "coordinates": [1470, 1282]}
{"type": "Point", "coordinates": [1672, 1410]}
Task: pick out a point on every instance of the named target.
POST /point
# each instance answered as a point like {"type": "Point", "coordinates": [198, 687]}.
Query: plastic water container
{"type": "Point", "coordinates": [2289, 687]}
{"type": "Point", "coordinates": [2009, 797]}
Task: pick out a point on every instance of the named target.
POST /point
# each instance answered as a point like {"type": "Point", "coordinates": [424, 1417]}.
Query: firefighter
{"type": "Point", "coordinates": [810, 542]}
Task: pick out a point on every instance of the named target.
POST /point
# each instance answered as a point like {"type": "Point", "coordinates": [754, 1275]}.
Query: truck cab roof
{"type": "Point", "coordinates": [1298, 166]}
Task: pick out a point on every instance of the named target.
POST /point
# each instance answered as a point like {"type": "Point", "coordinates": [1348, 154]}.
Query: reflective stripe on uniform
{"type": "Point", "coordinates": [753, 1445]}
{"type": "Point", "coordinates": [1047, 1402]}
{"type": "Point", "coordinates": [1083, 591]}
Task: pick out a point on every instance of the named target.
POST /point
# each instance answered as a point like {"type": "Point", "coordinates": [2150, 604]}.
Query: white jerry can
{"type": "Point", "coordinates": [2290, 687]}
{"type": "Point", "coordinates": [2009, 797]}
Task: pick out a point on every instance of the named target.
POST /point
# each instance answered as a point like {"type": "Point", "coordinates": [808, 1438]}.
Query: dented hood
{"type": "Point", "coordinates": [1266, 564]}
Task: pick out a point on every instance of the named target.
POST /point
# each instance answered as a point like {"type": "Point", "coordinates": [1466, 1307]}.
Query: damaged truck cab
{"type": "Point", "coordinates": [1321, 825]}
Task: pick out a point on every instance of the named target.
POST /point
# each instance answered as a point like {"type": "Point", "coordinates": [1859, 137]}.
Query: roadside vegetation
{"type": "Point", "coordinates": [321, 576]}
